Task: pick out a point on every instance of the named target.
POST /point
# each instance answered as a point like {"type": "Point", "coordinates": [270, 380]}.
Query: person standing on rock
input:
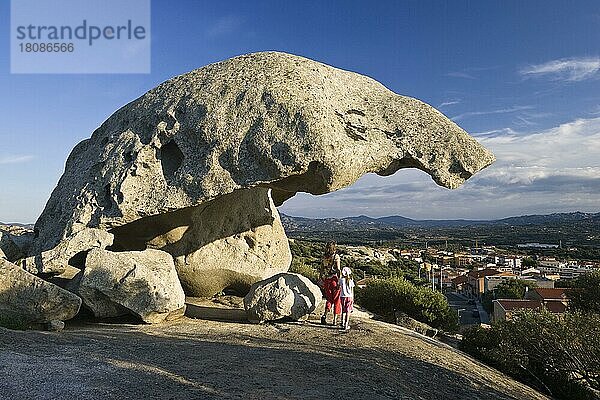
{"type": "Point", "coordinates": [347, 296]}
{"type": "Point", "coordinates": [330, 275]}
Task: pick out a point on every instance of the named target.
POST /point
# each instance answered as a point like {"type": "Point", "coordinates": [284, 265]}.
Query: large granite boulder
{"type": "Point", "coordinates": [29, 299]}
{"type": "Point", "coordinates": [155, 172]}
{"type": "Point", "coordinates": [8, 248]}
{"type": "Point", "coordinates": [142, 283]}
{"type": "Point", "coordinates": [14, 241]}
{"type": "Point", "coordinates": [230, 243]}
{"type": "Point", "coordinates": [285, 295]}
{"type": "Point", "coordinates": [70, 252]}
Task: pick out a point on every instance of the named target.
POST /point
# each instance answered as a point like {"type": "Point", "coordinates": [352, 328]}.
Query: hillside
{"type": "Point", "coordinates": [363, 221]}
{"type": "Point", "coordinates": [572, 229]}
{"type": "Point", "coordinates": [190, 359]}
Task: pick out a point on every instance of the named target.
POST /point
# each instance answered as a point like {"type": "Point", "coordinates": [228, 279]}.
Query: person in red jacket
{"type": "Point", "coordinates": [330, 279]}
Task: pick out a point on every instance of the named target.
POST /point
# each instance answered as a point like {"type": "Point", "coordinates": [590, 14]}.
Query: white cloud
{"type": "Point", "coordinates": [495, 132]}
{"type": "Point", "coordinates": [596, 110]}
{"type": "Point", "coordinates": [551, 170]}
{"type": "Point", "coordinates": [458, 74]}
{"type": "Point", "coordinates": [570, 149]}
{"type": "Point", "coordinates": [15, 159]}
{"type": "Point", "coordinates": [449, 103]}
{"type": "Point", "coordinates": [489, 112]}
{"type": "Point", "coordinates": [566, 69]}
{"type": "Point", "coordinates": [224, 26]}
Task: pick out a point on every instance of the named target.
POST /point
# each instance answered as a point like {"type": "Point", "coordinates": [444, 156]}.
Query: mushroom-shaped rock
{"type": "Point", "coordinates": [29, 299]}
{"type": "Point", "coordinates": [284, 295]}
{"type": "Point", "coordinates": [142, 283]}
{"type": "Point", "coordinates": [155, 172]}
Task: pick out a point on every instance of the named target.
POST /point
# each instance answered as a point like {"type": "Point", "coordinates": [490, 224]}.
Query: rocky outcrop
{"type": "Point", "coordinates": [157, 170]}
{"type": "Point", "coordinates": [29, 299]}
{"type": "Point", "coordinates": [407, 322]}
{"type": "Point", "coordinates": [8, 248]}
{"type": "Point", "coordinates": [69, 252]}
{"type": "Point", "coordinates": [230, 243]}
{"type": "Point", "coordinates": [143, 283]}
{"type": "Point", "coordinates": [14, 241]}
{"type": "Point", "coordinates": [284, 295]}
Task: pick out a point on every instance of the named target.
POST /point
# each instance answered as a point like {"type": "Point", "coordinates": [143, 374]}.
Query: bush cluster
{"type": "Point", "coordinates": [386, 296]}
{"type": "Point", "coordinates": [309, 271]}
{"type": "Point", "coordinates": [557, 354]}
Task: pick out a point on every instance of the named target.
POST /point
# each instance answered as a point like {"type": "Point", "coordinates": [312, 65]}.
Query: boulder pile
{"type": "Point", "coordinates": [29, 299]}
{"type": "Point", "coordinates": [182, 184]}
{"type": "Point", "coordinates": [140, 282]}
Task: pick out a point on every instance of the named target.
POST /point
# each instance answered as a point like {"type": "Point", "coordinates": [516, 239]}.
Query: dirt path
{"type": "Point", "coordinates": [201, 359]}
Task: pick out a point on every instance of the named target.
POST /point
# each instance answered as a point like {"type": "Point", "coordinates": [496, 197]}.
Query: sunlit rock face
{"type": "Point", "coordinates": [196, 166]}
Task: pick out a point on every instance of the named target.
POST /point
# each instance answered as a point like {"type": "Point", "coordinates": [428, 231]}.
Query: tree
{"type": "Point", "coordinates": [513, 289]}
{"type": "Point", "coordinates": [558, 354]}
{"type": "Point", "coordinates": [509, 289]}
{"type": "Point", "coordinates": [585, 294]}
{"type": "Point", "coordinates": [529, 262]}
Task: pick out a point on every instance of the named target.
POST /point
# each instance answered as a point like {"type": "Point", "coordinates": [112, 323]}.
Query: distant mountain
{"type": "Point", "coordinates": [364, 222]}
{"type": "Point", "coordinates": [560, 218]}
{"type": "Point", "coordinates": [26, 226]}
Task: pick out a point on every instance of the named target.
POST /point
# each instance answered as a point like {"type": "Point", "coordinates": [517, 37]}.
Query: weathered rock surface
{"type": "Point", "coordinates": [263, 120]}
{"type": "Point", "coordinates": [230, 243]}
{"type": "Point", "coordinates": [30, 299]}
{"type": "Point", "coordinates": [14, 241]}
{"type": "Point", "coordinates": [213, 360]}
{"type": "Point", "coordinates": [285, 295]}
{"type": "Point", "coordinates": [55, 326]}
{"type": "Point", "coordinates": [144, 283]}
{"type": "Point", "coordinates": [407, 322]}
{"type": "Point", "coordinates": [69, 252]}
{"type": "Point", "coordinates": [8, 248]}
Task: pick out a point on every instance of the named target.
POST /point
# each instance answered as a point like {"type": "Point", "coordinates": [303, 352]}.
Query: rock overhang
{"type": "Point", "coordinates": [263, 119]}
{"type": "Point", "coordinates": [259, 121]}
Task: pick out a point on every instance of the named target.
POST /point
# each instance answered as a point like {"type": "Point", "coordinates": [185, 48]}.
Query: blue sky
{"type": "Point", "coordinates": [522, 76]}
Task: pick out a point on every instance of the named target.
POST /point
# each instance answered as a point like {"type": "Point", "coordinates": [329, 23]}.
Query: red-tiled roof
{"type": "Point", "coordinates": [483, 272]}
{"type": "Point", "coordinates": [555, 307]}
{"type": "Point", "coordinates": [509, 304]}
{"type": "Point", "coordinates": [460, 279]}
{"type": "Point", "coordinates": [551, 293]}
{"type": "Point", "coordinates": [506, 274]}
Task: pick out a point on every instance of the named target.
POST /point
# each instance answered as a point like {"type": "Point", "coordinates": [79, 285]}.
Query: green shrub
{"type": "Point", "coordinates": [386, 296]}
{"type": "Point", "coordinates": [306, 270]}
{"type": "Point", "coordinates": [558, 354]}
{"type": "Point", "coordinates": [585, 292]}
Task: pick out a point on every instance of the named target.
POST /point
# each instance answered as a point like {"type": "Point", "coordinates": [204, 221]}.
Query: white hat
{"type": "Point", "coordinates": [346, 271]}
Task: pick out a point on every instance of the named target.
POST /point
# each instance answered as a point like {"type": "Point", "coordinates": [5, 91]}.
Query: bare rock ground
{"type": "Point", "coordinates": [206, 359]}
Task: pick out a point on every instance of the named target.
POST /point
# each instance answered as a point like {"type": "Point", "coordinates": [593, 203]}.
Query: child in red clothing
{"type": "Point", "coordinates": [330, 279]}
{"type": "Point", "coordinates": [331, 289]}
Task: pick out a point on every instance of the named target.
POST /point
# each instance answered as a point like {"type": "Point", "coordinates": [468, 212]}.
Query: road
{"type": "Point", "coordinates": [469, 313]}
